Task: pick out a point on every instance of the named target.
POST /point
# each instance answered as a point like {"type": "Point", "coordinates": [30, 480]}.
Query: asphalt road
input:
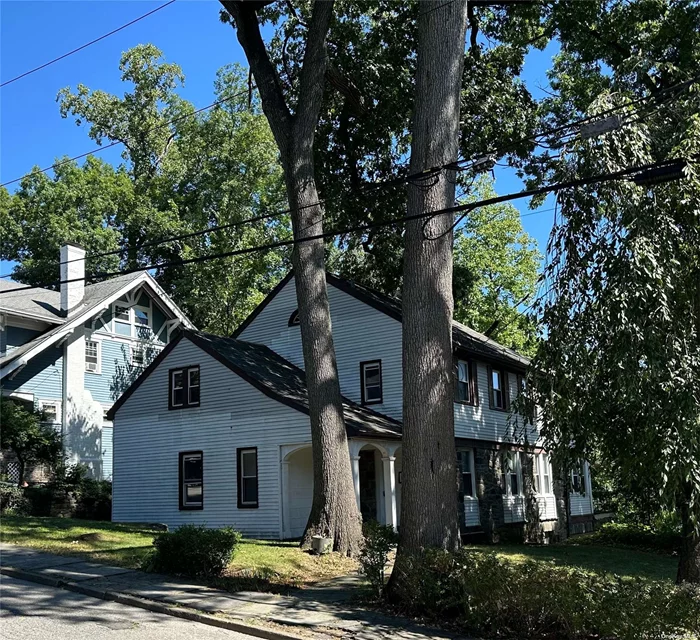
{"type": "Point", "coordinates": [31, 611]}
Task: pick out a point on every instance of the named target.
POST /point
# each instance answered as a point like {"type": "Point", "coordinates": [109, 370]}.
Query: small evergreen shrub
{"type": "Point", "coordinates": [13, 502]}
{"type": "Point", "coordinates": [93, 499]}
{"type": "Point", "coordinates": [193, 551]}
{"type": "Point", "coordinates": [486, 595]}
{"type": "Point", "coordinates": [379, 539]}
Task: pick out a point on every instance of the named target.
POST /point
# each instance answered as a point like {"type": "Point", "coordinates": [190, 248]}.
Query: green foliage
{"type": "Point", "coordinates": [495, 268]}
{"type": "Point", "coordinates": [379, 540]}
{"type": "Point", "coordinates": [28, 437]}
{"type": "Point", "coordinates": [13, 500]}
{"type": "Point", "coordinates": [193, 551]}
{"type": "Point", "coordinates": [619, 534]}
{"type": "Point", "coordinates": [214, 168]}
{"type": "Point", "coordinates": [486, 595]}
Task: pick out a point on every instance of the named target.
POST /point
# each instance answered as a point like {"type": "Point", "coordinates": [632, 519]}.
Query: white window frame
{"type": "Point", "coordinates": [371, 364]}
{"type": "Point", "coordinates": [142, 349]}
{"type": "Point", "coordinates": [506, 476]}
{"type": "Point", "coordinates": [98, 370]}
{"type": "Point", "coordinates": [254, 452]}
{"type": "Point", "coordinates": [54, 403]}
{"type": "Point", "coordinates": [470, 453]}
{"type": "Point", "coordinates": [133, 325]}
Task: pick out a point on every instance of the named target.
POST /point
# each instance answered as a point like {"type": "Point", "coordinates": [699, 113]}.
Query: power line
{"type": "Point", "coordinates": [606, 177]}
{"type": "Point", "coordinates": [87, 44]}
{"type": "Point", "coordinates": [118, 142]}
{"type": "Point", "coordinates": [411, 178]}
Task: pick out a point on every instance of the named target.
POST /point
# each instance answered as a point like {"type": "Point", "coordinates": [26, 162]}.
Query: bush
{"type": "Point", "coordinates": [192, 551]}
{"type": "Point", "coordinates": [486, 595]}
{"type": "Point", "coordinates": [378, 541]}
{"type": "Point", "coordinates": [13, 502]}
{"type": "Point", "coordinates": [614, 534]}
{"type": "Point", "coordinates": [93, 499]}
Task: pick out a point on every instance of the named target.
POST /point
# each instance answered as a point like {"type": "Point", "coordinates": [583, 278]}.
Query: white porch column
{"type": "Point", "coordinates": [389, 491]}
{"type": "Point", "coordinates": [355, 461]}
{"type": "Point", "coordinates": [286, 525]}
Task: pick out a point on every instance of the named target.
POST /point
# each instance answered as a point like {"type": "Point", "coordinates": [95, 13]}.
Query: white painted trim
{"type": "Point", "coordinates": [97, 371]}
{"type": "Point", "coordinates": [20, 395]}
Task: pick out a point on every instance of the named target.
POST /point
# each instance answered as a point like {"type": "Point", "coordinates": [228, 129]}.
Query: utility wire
{"type": "Point", "coordinates": [606, 177]}
{"type": "Point", "coordinates": [118, 142]}
{"type": "Point", "coordinates": [87, 44]}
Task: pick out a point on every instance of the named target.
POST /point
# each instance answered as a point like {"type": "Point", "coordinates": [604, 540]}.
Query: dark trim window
{"type": "Point", "coordinates": [294, 319]}
{"type": "Point", "coordinates": [465, 382]}
{"type": "Point", "coordinates": [184, 388]}
{"type": "Point", "coordinates": [578, 479]}
{"type": "Point", "coordinates": [191, 480]}
{"type": "Point", "coordinates": [247, 478]}
{"type": "Point", "coordinates": [371, 382]}
{"type": "Point", "coordinates": [498, 389]}
{"type": "Point", "coordinates": [465, 468]}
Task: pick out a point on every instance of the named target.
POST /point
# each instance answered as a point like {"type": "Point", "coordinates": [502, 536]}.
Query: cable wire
{"type": "Point", "coordinates": [87, 44]}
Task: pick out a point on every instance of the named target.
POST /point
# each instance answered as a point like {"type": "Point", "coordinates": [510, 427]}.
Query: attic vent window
{"type": "Point", "coordinates": [294, 319]}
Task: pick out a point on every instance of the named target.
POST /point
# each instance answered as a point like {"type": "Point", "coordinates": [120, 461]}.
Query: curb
{"type": "Point", "coordinates": [150, 605]}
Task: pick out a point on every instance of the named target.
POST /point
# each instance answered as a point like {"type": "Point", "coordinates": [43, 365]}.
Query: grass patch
{"type": "Point", "coordinates": [258, 564]}
{"type": "Point", "coordinates": [123, 545]}
{"type": "Point", "coordinates": [627, 563]}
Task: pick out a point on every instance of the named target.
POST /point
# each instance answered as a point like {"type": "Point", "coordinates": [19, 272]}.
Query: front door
{"type": "Point", "coordinates": [368, 485]}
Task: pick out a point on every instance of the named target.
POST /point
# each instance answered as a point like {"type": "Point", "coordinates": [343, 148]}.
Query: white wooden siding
{"type": "Point", "coordinates": [471, 512]}
{"type": "Point", "coordinates": [148, 438]}
{"type": "Point", "coordinates": [360, 333]}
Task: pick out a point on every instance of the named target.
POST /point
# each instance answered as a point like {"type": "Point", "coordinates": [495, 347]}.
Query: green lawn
{"type": "Point", "coordinates": [627, 563]}
{"type": "Point", "coordinates": [257, 562]}
{"type": "Point", "coordinates": [283, 563]}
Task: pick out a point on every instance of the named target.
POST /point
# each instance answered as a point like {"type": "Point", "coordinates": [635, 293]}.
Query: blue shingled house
{"type": "Point", "coordinates": [71, 353]}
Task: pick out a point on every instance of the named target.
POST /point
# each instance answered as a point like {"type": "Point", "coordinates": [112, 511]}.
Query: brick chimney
{"type": "Point", "coordinates": [73, 269]}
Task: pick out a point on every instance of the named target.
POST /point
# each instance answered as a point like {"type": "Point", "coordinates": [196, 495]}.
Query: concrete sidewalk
{"type": "Point", "coordinates": [320, 612]}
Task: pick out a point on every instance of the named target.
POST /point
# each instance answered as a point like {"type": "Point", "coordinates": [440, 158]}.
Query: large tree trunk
{"type": "Point", "coordinates": [334, 511]}
{"type": "Point", "coordinates": [429, 486]}
{"type": "Point", "coordinates": [689, 558]}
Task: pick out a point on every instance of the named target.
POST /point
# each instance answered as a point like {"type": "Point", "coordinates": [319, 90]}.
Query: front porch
{"type": "Point", "coordinates": [376, 473]}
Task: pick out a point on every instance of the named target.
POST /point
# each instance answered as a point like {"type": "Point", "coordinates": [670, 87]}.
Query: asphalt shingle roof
{"type": "Point", "coordinates": [280, 379]}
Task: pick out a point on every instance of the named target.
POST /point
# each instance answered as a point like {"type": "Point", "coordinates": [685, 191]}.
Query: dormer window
{"type": "Point", "coordinates": [294, 319]}
{"type": "Point", "coordinates": [184, 388]}
{"type": "Point", "coordinates": [371, 382]}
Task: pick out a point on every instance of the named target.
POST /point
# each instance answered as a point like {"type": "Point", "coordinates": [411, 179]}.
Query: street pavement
{"type": "Point", "coordinates": [30, 611]}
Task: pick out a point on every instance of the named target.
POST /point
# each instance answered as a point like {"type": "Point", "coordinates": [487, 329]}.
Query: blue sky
{"type": "Point", "coordinates": [188, 32]}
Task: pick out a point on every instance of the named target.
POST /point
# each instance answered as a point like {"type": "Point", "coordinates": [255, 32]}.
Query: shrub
{"type": "Point", "coordinates": [491, 596]}
{"type": "Point", "coordinates": [193, 551]}
{"type": "Point", "coordinates": [93, 499]}
{"type": "Point", "coordinates": [378, 541]}
{"type": "Point", "coordinates": [614, 534]}
{"type": "Point", "coordinates": [13, 501]}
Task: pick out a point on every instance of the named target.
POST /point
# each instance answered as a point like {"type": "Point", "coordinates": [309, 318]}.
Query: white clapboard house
{"type": "Point", "coordinates": [216, 430]}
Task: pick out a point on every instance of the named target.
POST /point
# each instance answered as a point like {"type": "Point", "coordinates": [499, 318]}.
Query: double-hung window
{"type": "Point", "coordinates": [510, 477]}
{"type": "Point", "coordinates": [122, 320]}
{"type": "Point", "coordinates": [371, 382]}
{"type": "Point", "coordinates": [184, 387]}
{"type": "Point", "coordinates": [92, 356]}
{"type": "Point", "coordinates": [191, 480]}
{"type": "Point", "coordinates": [138, 356]}
{"type": "Point", "coordinates": [465, 391]}
{"type": "Point", "coordinates": [537, 473]}
{"type": "Point", "coordinates": [498, 380]}
{"type": "Point", "coordinates": [247, 478]}
{"type": "Point", "coordinates": [465, 469]}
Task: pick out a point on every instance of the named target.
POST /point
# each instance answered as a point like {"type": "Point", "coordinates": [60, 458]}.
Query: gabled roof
{"type": "Point", "coordinates": [463, 337]}
{"type": "Point", "coordinates": [99, 296]}
{"type": "Point", "coordinates": [274, 376]}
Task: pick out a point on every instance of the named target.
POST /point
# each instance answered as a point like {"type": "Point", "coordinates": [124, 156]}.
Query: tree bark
{"type": "Point", "coordinates": [428, 508]}
{"type": "Point", "coordinates": [689, 557]}
{"type": "Point", "coordinates": [334, 511]}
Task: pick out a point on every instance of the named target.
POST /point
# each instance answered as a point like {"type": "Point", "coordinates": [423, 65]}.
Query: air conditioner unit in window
{"type": "Point", "coordinates": [91, 366]}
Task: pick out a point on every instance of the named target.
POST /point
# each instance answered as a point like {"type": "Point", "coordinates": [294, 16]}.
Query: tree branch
{"type": "Point", "coordinates": [266, 78]}
{"type": "Point", "coordinates": [312, 77]}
